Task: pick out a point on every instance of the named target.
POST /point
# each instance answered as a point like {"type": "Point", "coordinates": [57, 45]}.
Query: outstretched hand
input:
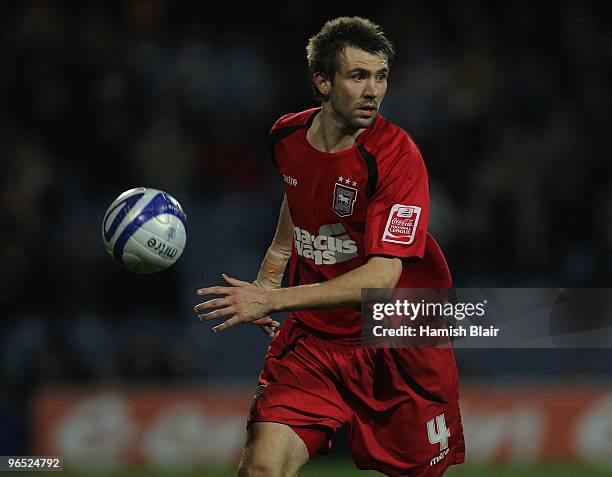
{"type": "Point", "coordinates": [241, 301]}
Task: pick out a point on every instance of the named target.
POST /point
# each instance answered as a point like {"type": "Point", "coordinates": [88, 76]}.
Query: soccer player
{"type": "Point", "coordinates": [354, 215]}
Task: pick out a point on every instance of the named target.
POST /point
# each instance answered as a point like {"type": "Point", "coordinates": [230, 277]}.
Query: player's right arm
{"type": "Point", "coordinates": [272, 268]}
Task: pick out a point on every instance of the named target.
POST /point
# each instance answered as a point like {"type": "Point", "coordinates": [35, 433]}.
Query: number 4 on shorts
{"type": "Point", "coordinates": [437, 432]}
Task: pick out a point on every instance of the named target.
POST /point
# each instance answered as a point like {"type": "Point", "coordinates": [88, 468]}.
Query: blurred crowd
{"type": "Point", "coordinates": [508, 101]}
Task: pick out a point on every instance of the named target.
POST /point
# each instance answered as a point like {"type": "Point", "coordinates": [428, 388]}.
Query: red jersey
{"type": "Point", "coordinates": [370, 199]}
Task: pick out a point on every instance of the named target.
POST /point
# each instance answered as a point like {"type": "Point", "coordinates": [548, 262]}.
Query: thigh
{"type": "Point", "coordinates": [272, 449]}
{"type": "Point", "coordinates": [297, 388]}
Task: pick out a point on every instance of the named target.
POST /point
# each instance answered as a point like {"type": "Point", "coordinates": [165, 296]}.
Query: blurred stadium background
{"type": "Point", "coordinates": [510, 103]}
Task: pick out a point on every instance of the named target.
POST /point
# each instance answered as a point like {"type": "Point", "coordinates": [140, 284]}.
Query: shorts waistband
{"type": "Point", "coordinates": [343, 341]}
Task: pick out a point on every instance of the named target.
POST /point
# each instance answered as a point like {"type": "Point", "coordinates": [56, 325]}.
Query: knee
{"type": "Point", "coordinates": [258, 468]}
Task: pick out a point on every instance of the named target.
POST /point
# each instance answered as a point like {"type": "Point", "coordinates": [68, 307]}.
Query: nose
{"type": "Point", "coordinates": [371, 90]}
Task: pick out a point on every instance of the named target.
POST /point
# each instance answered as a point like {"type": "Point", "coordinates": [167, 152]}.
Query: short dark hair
{"type": "Point", "coordinates": [323, 48]}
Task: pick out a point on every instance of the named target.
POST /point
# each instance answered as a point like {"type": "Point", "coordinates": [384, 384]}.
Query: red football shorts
{"type": "Point", "coordinates": [400, 406]}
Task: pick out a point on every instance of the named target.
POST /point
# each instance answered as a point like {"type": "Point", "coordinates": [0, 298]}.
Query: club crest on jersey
{"type": "Point", "coordinates": [344, 199]}
{"type": "Point", "coordinates": [402, 224]}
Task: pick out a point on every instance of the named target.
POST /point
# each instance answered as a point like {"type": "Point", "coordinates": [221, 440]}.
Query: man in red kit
{"type": "Point", "coordinates": [354, 216]}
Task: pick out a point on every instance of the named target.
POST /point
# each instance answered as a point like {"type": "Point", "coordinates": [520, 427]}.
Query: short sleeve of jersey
{"type": "Point", "coordinates": [398, 212]}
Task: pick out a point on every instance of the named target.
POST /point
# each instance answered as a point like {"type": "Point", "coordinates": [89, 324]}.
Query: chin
{"type": "Point", "coordinates": [363, 122]}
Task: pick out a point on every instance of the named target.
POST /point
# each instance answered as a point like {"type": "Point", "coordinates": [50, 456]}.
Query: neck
{"type": "Point", "coordinates": [329, 133]}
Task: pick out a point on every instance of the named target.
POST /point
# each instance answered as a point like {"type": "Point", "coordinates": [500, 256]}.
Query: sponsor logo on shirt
{"type": "Point", "coordinates": [402, 224]}
{"type": "Point", "coordinates": [331, 245]}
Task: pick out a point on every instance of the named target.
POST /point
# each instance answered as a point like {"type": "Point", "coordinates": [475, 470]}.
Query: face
{"type": "Point", "coordinates": [358, 88]}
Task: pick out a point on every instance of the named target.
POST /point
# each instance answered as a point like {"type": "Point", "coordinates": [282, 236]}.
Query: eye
{"type": "Point", "coordinates": [357, 76]}
{"type": "Point", "coordinates": [382, 76]}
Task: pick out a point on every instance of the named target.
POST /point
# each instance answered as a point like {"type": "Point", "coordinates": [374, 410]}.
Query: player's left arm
{"type": "Point", "coordinates": [244, 304]}
{"type": "Point", "coordinates": [343, 290]}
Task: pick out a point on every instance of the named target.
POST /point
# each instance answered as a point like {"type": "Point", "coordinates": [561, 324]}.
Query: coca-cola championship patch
{"type": "Point", "coordinates": [402, 224]}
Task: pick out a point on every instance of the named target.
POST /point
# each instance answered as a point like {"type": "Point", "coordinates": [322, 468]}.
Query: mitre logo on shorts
{"type": "Point", "coordinates": [402, 224]}
{"type": "Point", "coordinates": [331, 245]}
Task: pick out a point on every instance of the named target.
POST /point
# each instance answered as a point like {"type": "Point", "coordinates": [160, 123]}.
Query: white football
{"type": "Point", "coordinates": [144, 230]}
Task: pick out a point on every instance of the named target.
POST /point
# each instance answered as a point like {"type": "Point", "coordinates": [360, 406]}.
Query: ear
{"type": "Point", "coordinates": [322, 83]}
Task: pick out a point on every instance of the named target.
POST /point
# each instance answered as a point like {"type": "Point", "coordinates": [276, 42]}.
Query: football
{"type": "Point", "coordinates": [144, 230]}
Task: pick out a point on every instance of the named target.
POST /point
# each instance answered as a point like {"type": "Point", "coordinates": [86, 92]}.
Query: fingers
{"type": "Point", "coordinates": [220, 313]}
{"type": "Point", "coordinates": [268, 331]}
{"type": "Point", "coordinates": [261, 321]}
{"type": "Point", "coordinates": [214, 303]}
{"type": "Point", "coordinates": [219, 290]}
{"type": "Point", "coordinates": [226, 325]}
{"type": "Point", "coordinates": [267, 325]}
{"type": "Point", "coordinates": [235, 282]}
{"type": "Point", "coordinates": [216, 290]}
{"type": "Point", "coordinates": [266, 320]}
{"type": "Point", "coordinates": [228, 306]}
